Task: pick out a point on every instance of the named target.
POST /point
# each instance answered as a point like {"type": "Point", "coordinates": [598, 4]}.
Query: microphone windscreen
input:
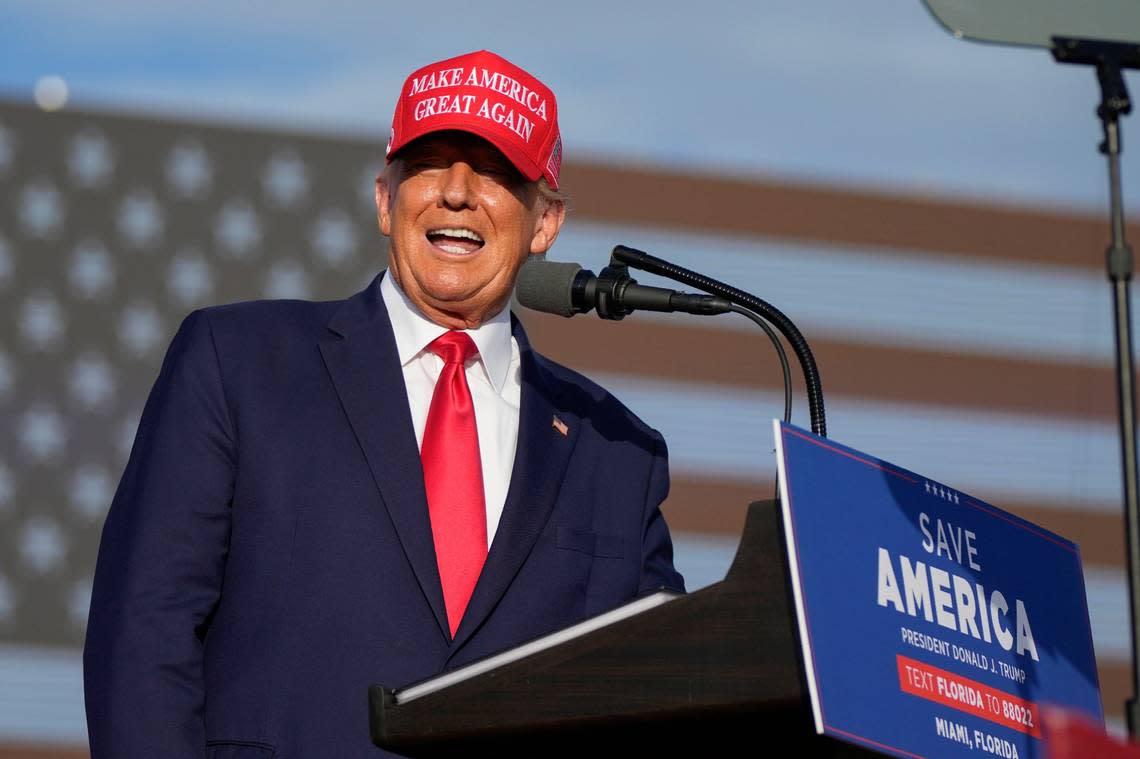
{"type": "Point", "coordinates": [546, 285]}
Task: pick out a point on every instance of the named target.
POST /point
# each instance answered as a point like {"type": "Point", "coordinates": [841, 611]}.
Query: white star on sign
{"type": "Point", "coordinates": [91, 381]}
{"type": "Point", "coordinates": [90, 272]}
{"type": "Point", "coordinates": [287, 280]}
{"type": "Point", "coordinates": [41, 209]}
{"type": "Point", "coordinates": [285, 179]}
{"type": "Point", "coordinates": [189, 278]}
{"type": "Point", "coordinates": [237, 229]}
{"type": "Point", "coordinates": [42, 544]}
{"type": "Point", "coordinates": [188, 170]}
{"type": "Point", "coordinates": [140, 219]}
{"type": "Point", "coordinates": [41, 432]}
{"type": "Point", "coordinates": [91, 492]}
{"type": "Point", "coordinates": [41, 320]}
{"type": "Point", "coordinates": [333, 238]}
{"type": "Point", "coordinates": [89, 159]}
{"type": "Point", "coordinates": [140, 329]}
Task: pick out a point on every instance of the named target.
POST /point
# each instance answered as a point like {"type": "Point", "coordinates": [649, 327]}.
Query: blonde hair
{"type": "Point", "coordinates": [551, 195]}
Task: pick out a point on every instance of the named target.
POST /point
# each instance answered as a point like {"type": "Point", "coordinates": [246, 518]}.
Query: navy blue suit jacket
{"type": "Point", "coordinates": [268, 553]}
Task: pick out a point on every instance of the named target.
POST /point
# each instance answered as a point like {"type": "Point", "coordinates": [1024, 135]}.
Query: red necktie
{"type": "Point", "coordinates": [453, 477]}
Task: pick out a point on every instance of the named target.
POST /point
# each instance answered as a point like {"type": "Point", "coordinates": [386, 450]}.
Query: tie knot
{"type": "Point", "coordinates": [454, 347]}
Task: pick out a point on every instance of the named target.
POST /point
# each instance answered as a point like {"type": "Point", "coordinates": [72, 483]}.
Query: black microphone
{"type": "Point", "coordinates": [567, 289]}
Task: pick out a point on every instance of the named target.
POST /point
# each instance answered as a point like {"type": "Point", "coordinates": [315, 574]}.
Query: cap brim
{"type": "Point", "coordinates": [528, 168]}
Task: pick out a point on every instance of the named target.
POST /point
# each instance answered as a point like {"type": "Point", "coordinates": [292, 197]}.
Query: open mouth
{"type": "Point", "coordinates": [455, 240]}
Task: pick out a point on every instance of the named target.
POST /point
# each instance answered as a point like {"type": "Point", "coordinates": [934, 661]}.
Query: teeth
{"type": "Point", "coordinates": [457, 232]}
{"type": "Point", "coordinates": [454, 249]}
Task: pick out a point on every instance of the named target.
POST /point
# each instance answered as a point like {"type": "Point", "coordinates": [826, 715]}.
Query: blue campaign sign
{"type": "Point", "coordinates": [932, 624]}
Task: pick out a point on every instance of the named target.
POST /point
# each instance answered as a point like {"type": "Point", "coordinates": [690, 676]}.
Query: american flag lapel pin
{"type": "Point", "coordinates": [560, 425]}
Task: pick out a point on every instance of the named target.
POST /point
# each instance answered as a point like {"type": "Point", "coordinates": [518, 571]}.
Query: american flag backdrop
{"type": "Point", "coordinates": [968, 341]}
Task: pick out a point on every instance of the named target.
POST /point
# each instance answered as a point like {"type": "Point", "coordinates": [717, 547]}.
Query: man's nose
{"type": "Point", "coordinates": [458, 186]}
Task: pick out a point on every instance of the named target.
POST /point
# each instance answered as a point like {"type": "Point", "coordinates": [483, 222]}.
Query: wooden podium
{"type": "Point", "coordinates": [715, 669]}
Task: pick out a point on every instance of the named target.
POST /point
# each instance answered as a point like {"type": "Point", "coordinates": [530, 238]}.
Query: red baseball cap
{"type": "Point", "coordinates": [488, 96]}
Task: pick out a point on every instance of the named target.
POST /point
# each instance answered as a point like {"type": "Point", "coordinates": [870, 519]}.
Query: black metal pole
{"type": "Point", "coordinates": [1119, 260]}
{"type": "Point", "coordinates": [1110, 58]}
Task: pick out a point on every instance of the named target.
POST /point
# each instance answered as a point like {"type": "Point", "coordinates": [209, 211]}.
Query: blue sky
{"type": "Point", "coordinates": [866, 93]}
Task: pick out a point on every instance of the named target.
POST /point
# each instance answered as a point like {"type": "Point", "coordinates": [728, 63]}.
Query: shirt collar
{"type": "Point", "coordinates": [414, 332]}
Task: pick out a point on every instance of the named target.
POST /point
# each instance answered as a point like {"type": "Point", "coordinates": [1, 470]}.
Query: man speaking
{"type": "Point", "coordinates": [327, 495]}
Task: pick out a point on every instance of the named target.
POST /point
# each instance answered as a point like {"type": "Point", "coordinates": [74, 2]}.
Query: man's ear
{"type": "Point", "coordinates": [547, 226]}
{"type": "Point", "coordinates": [383, 208]}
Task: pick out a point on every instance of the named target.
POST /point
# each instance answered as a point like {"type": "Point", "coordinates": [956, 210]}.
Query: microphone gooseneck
{"type": "Point", "coordinates": [645, 262]}
{"type": "Point", "coordinates": [566, 289]}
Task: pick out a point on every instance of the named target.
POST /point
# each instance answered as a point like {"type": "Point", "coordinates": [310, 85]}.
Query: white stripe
{"type": "Point", "coordinates": [716, 431]}
{"type": "Point", "coordinates": [1107, 591]}
{"type": "Point", "coordinates": [42, 695]}
{"type": "Point", "coordinates": [703, 559]}
{"type": "Point", "coordinates": [898, 297]}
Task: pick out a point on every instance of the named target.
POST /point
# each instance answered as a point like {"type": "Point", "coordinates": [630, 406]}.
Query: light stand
{"type": "Point", "coordinates": [1110, 58]}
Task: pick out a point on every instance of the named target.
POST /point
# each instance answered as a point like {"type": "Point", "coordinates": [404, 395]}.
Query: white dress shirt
{"type": "Point", "coordinates": [493, 377]}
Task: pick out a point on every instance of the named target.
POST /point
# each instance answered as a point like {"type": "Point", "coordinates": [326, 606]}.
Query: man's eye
{"type": "Point", "coordinates": [424, 165]}
{"type": "Point", "coordinates": [500, 173]}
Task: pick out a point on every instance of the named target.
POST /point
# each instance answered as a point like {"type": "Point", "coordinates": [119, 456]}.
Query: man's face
{"type": "Point", "coordinates": [461, 222]}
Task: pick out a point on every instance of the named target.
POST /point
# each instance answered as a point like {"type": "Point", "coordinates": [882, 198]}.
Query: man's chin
{"type": "Point", "coordinates": [456, 309]}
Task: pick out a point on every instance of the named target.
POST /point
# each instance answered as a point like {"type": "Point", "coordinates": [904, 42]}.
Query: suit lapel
{"type": "Point", "coordinates": [541, 456]}
{"type": "Point", "coordinates": [363, 362]}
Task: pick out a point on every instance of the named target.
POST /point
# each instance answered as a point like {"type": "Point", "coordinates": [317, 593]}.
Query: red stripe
{"type": "Point", "coordinates": [969, 696]}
